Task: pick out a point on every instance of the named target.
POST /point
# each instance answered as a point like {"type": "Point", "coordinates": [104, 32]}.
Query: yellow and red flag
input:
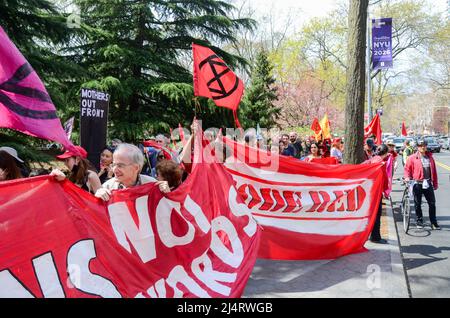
{"type": "Point", "coordinates": [325, 126]}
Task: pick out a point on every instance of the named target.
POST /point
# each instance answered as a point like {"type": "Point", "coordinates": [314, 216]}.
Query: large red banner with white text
{"type": "Point", "coordinates": [306, 210]}
{"type": "Point", "coordinates": [59, 241]}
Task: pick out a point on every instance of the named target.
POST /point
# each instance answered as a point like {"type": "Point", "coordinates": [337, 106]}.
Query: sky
{"type": "Point", "coordinates": [316, 8]}
{"type": "Point", "coordinates": [308, 9]}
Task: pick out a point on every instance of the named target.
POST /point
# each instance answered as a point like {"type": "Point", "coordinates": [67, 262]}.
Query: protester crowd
{"type": "Point", "coordinates": [160, 161]}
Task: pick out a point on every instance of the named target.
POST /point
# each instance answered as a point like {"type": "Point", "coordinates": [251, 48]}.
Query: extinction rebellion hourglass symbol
{"type": "Point", "coordinates": [215, 84]}
{"type": "Point", "coordinates": [12, 86]}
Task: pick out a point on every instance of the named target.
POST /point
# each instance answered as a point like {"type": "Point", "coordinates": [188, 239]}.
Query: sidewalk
{"type": "Point", "coordinates": [377, 273]}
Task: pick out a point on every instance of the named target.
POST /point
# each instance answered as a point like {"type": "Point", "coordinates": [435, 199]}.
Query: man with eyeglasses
{"type": "Point", "coordinates": [421, 168]}
{"type": "Point", "coordinates": [128, 161]}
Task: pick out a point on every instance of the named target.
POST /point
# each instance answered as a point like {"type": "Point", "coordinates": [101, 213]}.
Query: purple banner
{"type": "Point", "coordinates": [381, 43]}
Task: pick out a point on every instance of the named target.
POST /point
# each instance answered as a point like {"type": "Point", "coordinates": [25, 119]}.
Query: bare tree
{"type": "Point", "coordinates": [355, 92]}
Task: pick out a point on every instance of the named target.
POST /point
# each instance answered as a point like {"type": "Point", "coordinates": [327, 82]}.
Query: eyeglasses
{"type": "Point", "coordinates": [120, 165]}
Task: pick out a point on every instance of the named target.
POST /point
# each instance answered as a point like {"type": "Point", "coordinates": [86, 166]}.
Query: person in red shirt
{"type": "Point", "coordinates": [421, 168]}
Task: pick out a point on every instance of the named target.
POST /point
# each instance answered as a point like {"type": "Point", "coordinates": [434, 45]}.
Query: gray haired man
{"type": "Point", "coordinates": [128, 161]}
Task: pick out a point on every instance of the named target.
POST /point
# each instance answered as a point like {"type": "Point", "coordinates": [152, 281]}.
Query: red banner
{"type": "Point", "coordinates": [307, 210]}
{"type": "Point", "coordinates": [59, 241]}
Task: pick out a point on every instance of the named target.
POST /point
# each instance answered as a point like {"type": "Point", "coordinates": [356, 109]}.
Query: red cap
{"type": "Point", "coordinates": [81, 152]}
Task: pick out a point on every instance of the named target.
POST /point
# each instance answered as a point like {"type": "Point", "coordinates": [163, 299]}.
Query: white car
{"type": "Point", "coordinates": [444, 142]}
{"type": "Point", "coordinates": [399, 143]}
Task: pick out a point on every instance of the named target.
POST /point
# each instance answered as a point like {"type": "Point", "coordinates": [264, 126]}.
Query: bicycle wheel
{"type": "Point", "coordinates": [406, 211]}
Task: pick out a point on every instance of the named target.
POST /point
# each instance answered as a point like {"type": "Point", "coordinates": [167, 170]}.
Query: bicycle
{"type": "Point", "coordinates": [406, 205]}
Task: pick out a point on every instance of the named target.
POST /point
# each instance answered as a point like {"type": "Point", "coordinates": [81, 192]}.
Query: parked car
{"type": "Point", "coordinates": [443, 141]}
{"type": "Point", "coordinates": [433, 145]}
{"type": "Point", "coordinates": [399, 143]}
{"type": "Point", "coordinates": [387, 136]}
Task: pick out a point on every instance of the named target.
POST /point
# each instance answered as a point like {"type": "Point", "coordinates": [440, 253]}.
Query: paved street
{"type": "Point", "coordinates": [426, 253]}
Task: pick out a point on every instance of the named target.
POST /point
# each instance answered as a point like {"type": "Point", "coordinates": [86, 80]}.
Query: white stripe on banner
{"type": "Point", "coordinates": [340, 227]}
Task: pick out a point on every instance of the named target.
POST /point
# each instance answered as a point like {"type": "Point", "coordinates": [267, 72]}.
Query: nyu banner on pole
{"type": "Point", "coordinates": [381, 43]}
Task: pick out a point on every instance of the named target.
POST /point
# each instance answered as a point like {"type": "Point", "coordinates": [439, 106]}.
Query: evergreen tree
{"type": "Point", "coordinates": [134, 50]}
{"type": "Point", "coordinates": [40, 32]}
{"type": "Point", "coordinates": [258, 104]}
{"type": "Point", "coordinates": [35, 27]}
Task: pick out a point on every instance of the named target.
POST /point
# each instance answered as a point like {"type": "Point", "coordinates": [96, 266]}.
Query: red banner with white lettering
{"type": "Point", "coordinates": [59, 241]}
{"type": "Point", "coordinates": [307, 210]}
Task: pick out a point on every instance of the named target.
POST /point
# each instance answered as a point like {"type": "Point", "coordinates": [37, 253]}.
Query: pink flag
{"type": "Point", "coordinates": [389, 172]}
{"type": "Point", "coordinates": [24, 102]}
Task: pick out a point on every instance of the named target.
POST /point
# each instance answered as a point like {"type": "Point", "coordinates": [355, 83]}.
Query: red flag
{"type": "Point", "coordinates": [374, 129]}
{"type": "Point", "coordinates": [315, 126]}
{"type": "Point", "coordinates": [404, 132]}
{"type": "Point", "coordinates": [168, 153]}
{"type": "Point", "coordinates": [214, 79]}
{"type": "Point", "coordinates": [24, 102]}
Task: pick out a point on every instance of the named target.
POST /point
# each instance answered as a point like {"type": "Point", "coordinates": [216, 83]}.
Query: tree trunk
{"type": "Point", "coordinates": [355, 90]}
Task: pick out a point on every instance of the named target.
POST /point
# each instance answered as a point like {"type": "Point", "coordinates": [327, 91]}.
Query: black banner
{"type": "Point", "coordinates": [93, 123]}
